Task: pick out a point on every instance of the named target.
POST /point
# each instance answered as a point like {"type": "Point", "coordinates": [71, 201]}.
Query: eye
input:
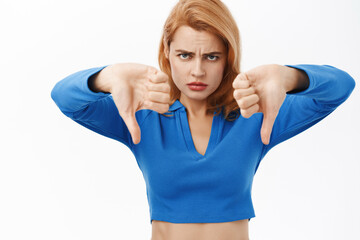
{"type": "Point", "coordinates": [184, 55]}
{"type": "Point", "coordinates": [212, 57]}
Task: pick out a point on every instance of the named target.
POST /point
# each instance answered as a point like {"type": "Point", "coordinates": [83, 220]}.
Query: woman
{"type": "Point", "coordinates": [199, 127]}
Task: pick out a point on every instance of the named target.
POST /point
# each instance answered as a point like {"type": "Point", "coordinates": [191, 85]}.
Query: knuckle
{"type": "Point", "coordinates": [167, 88]}
{"type": "Point", "coordinates": [235, 94]}
{"type": "Point", "coordinates": [146, 103]}
{"type": "Point", "coordinates": [240, 94]}
{"type": "Point", "coordinates": [243, 93]}
{"type": "Point", "coordinates": [150, 80]}
{"type": "Point", "coordinates": [163, 76]}
{"type": "Point", "coordinates": [153, 70]}
{"type": "Point", "coordinates": [234, 84]}
{"type": "Point", "coordinates": [162, 108]}
{"type": "Point", "coordinates": [148, 84]}
{"type": "Point", "coordinates": [155, 79]}
{"type": "Point", "coordinates": [241, 103]}
{"type": "Point", "coordinates": [167, 98]}
{"type": "Point", "coordinates": [241, 84]}
{"type": "Point", "coordinates": [245, 114]}
{"type": "Point", "coordinates": [150, 95]}
{"type": "Point", "coordinates": [166, 77]}
{"type": "Point", "coordinates": [165, 108]}
{"type": "Point", "coordinates": [149, 103]}
{"type": "Point", "coordinates": [245, 83]}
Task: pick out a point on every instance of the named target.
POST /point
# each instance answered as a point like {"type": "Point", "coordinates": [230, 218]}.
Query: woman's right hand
{"type": "Point", "coordinates": [134, 87]}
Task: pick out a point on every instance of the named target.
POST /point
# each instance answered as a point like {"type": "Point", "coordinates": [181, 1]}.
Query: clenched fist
{"type": "Point", "coordinates": [135, 87]}
{"type": "Point", "coordinates": [263, 89]}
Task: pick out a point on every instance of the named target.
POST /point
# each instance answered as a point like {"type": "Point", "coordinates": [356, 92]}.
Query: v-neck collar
{"type": "Point", "coordinates": [177, 105]}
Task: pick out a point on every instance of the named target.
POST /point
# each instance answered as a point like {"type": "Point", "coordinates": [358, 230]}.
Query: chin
{"type": "Point", "coordinates": [199, 96]}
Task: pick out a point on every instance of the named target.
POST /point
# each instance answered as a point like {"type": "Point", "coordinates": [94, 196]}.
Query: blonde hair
{"type": "Point", "coordinates": [214, 17]}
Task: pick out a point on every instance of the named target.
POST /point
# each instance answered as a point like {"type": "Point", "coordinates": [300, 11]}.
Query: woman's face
{"type": "Point", "coordinates": [196, 56]}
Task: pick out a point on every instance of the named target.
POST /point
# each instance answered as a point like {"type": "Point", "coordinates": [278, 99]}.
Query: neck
{"type": "Point", "coordinates": [195, 108]}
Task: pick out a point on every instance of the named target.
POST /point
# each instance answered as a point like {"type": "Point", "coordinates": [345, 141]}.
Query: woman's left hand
{"type": "Point", "coordinates": [263, 89]}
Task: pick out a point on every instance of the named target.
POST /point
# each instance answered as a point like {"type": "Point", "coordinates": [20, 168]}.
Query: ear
{"type": "Point", "coordinates": [166, 51]}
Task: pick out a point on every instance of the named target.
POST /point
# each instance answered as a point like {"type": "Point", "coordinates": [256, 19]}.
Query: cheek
{"type": "Point", "coordinates": [178, 72]}
{"type": "Point", "coordinates": [217, 73]}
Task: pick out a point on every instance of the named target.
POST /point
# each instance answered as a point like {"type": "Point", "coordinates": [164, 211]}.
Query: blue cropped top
{"type": "Point", "coordinates": [182, 185]}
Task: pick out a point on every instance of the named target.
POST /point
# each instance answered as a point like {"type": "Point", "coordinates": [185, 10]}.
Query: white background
{"type": "Point", "coordinates": [59, 180]}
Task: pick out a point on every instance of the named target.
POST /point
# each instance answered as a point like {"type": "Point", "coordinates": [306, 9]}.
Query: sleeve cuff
{"type": "Point", "coordinates": [311, 80]}
{"type": "Point", "coordinates": [85, 85]}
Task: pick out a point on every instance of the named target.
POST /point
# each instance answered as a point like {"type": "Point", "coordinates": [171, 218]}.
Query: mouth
{"type": "Point", "coordinates": [197, 84]}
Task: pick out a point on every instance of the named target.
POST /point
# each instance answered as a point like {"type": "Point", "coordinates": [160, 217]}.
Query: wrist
{"type": "Point", "coordinates": [102, 81]}
{"type": "Point", "coordinates": [297, 80]}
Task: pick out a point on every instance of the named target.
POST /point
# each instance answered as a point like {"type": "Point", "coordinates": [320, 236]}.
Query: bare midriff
{"type": "Point", "coordinates": [236, 230]}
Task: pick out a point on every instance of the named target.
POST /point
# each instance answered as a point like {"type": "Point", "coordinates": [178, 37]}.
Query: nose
{"type": "Point", "coordinates": [197, 69]}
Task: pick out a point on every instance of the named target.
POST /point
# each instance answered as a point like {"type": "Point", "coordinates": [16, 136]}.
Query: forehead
{"type": "Point", "coordinates": [190, 39]}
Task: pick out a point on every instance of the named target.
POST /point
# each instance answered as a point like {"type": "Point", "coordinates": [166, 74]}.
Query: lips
{"type": "Point", "coordinates": [197, 84]}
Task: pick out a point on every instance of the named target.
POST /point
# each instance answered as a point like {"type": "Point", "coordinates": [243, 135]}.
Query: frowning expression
{"type": "Point", "coordinates": [197, 57]}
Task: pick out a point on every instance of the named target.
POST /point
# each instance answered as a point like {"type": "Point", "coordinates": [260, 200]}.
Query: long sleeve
{"type": "Point", "coordinates": [93, 110]}
{"type": "Point", "coordinates": [328, 88]}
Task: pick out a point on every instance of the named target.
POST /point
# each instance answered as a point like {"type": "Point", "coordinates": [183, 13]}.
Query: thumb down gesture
{"type": "Point", "coordinates": [262, 89]}
{"type": "Point", "coordinates": [135, 87]}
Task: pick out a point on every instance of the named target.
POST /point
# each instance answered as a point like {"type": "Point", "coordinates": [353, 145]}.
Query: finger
{"type": "Point", "coordinates": [159, 77]}
{"type": "Point", "coordinates": [242, 76]}
{"type": "Point", "coordinates": [158, 87]}
{"type": "Point", "coordinates": [241, 83]}
{"type": "Point", "coordinates": [159, 97]}
{"type": "Point", "coordinates": [158, 107]}
{"type": "Point", "coordinates": [266, 128]}
{"type": "Point", "coordinates": [239, 78]}
{"type": "Point", "coordinates": [247, 101]}
{"type": "Point", "coordinates": [239, 93]}
{"type": "Point", "coordinates": [133, 126]}
{"type": "Point", "coordinates": [248, 112]}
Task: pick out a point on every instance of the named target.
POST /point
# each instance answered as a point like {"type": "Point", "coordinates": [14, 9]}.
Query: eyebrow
{"type": "Point", "coordinates": [184, 51]}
